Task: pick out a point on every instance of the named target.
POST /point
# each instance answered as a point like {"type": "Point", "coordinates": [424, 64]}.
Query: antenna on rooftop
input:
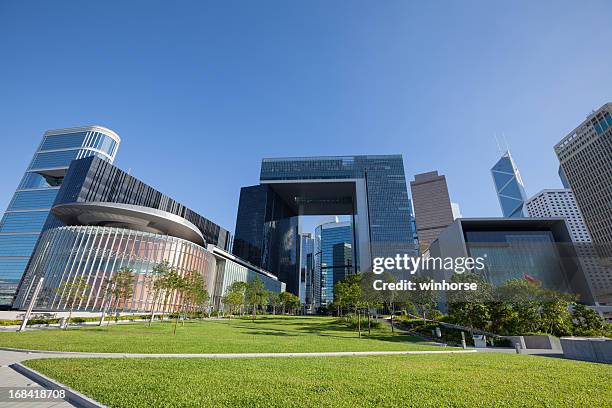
{"type": "Point", "coordinates": [505, 142]}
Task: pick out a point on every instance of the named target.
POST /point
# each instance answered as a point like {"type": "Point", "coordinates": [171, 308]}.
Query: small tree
{"type": "Point", "coordinates": [119, 287]}
{"type": "Point", "coordinates": [423, 299]}
{"type": "Point", "coordinates": [255, 294]}
{"type": "Point", "coordinates": [286, 300]}
{"type": "Point", "coordinates": [72, 293]}
{"type": "Point", "coordinates": [235, 296]}
{"type": "Point", "coordinates": [156, 284]}
{"type": "Point", "coordinates": [275, 301]}
{"type": "Point", "coordinates": [292, 302]}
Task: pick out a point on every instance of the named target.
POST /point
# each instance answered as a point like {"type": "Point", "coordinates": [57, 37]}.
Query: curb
{"type": "Point", "coordinates": [73, 397]}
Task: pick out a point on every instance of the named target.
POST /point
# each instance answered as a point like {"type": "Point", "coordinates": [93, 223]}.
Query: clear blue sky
{"type": "Point", "coordinates": [201, 91]}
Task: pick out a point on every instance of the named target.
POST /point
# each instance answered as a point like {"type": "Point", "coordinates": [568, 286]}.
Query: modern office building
{"type": "Point", "coordinates": [307, 283]}
{"type": "Point", "coordinates": [563, 178]}
{"type": "Point", "coordinates": [371, 189]}
{"type": "Point", "coordinates": [561, 203]}
{"type": "Point", "coordinates": [27, 212]}
{"type": "Point", "coordinates": [509, 187]}
{"type": "Point", "coordinates": [93, 180]}
{"type": "Point", "coordinates": [104, 219]}
{"type": "Point", "coordinates": [432, 207]}
{"type": "Point", "coordinates": [333, 256]}
{"type": "Point", "coordinates": [585, 155]}
{"type": "Point", "coordinates": [536, 249]}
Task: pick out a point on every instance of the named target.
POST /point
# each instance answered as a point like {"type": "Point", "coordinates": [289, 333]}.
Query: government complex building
{"type": "Point", "coordinates": [370, 189]}
{"type": "Point", "coordinates": [76, 216]}
{"type": "Point", "coordinates": [86, 219]}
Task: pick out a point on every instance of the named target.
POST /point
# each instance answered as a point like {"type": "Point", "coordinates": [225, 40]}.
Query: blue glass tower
{"type": "Point", "coordinates": [27, 212]}
{"type": "Point", "coordinates": [509, 187]}
{"type": "Point", "coordinates": [333, 256]}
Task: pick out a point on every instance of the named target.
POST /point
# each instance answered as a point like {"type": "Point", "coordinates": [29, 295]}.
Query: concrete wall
{"type": "Point", "coordinates": [595, 349]}
{"type": "Point", "coordinates": [542, 342]}
{"type": "Point", "coordinates": [516, 340]}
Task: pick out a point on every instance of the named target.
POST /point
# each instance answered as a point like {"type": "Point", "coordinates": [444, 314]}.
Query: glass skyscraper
{"type": "Point", "coordinates": [27, 212]}
{"type": "Point", "coordinates": [509, 187]}
{"type": "Point", "coordinates": [370, 189]}
{"type": "Point", "coordinates": [333, 256]}
{"type": "Point", "coordinates": [306, 270]}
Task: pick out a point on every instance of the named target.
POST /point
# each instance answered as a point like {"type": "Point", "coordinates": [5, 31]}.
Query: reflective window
{"type": "Point", "coordinates": [53, 159]}
{"type": "Point", "coordinates": [64, 141]}
{"type": "Point", "coordinates": [37, 180]}
{"type": "Point", "coordinates": [29, 221]}
{"type": "Point", "coordinates": [17, 245]}
{"type": "Point", "coordinates": [12, 268]}
{"type": "Point", "coordinates": [27, 200]}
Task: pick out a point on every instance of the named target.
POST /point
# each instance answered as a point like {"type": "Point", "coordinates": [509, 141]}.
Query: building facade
{"type": "Point", "coordinates": [509, 187]}
{"type": "Point", "coordinates": [307, 283]}
{"type": "Point", "coordinates": [103, 220]}
{"type": "Point", "coordinates": [559, 203]}
{"type": "Point", "coordinates": [432, 206]}
{"type": "Point", "coordinates": [585, 155]}
{"type": "Point", "coordinates": [333, 256]}
{"type": "Point", "coordinates": [536, 249]}
{"type": "Point", "coordinates": [370, 189]}
{"type": "Point", "coordinates": [27, 212]}
{"type": "Point", "coordinates": [562, 203]}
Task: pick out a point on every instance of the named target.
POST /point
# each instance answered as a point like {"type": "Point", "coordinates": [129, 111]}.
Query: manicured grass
{"type": "Point", "coordinates": [460, 380]}
{"type": "Point", "coordinates": [266, 334]}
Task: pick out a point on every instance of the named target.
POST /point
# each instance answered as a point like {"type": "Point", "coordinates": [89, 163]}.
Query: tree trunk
{"type": "Point", "coordinates": [68, 321]}
{"type": "Point", "coordinates": [369, 326]}
{"type": "Point", "coordinates": [155, 296]}
{"type": "Point", "coordinates": [176, 321]}
{"type": "Point", "coordinates": [392, 313]}
{"type": "Point", "coordinates": [358, 321]}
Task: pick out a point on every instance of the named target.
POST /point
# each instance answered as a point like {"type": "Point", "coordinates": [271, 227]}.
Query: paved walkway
{"type": "Point", "coordinates": [10, 378]}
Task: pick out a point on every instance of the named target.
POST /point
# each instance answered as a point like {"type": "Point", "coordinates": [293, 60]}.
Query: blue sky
{"type": "Point", "coordinates": [201, 91]}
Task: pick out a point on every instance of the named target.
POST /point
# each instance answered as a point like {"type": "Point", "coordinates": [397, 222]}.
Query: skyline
{"type": "Point", "coordinates": [437, 98]}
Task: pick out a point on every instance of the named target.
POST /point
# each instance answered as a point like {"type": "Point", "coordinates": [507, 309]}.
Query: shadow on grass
{"type": "Point", "coordinates": [268, 333]}
{"type": "Point", "coordinates": [315, 326]}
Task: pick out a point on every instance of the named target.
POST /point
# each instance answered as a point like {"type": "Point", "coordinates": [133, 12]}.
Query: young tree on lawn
{"type": "Point", "coordinates": [72, 293]}
{"type": "Point", "coordinates": [235, 296]}
{"type": "Point", "coordinates": [255, 294]}
{"type": "Point", "coordinates": [285, 298]}
{"type": "Point", "coordinates": [275, 301]}
{"type": "Point", "coordinates": [122, 284]}
{"type": "Point", "coordinates": [196, 295]}
{"type": "Point", "coordinates": [389, 297]}
{"type": "Point", "coordinates": [156, 283]}
{"type": "Point", "coordinates": [292, 302]}
{"type": "Point", "coordinates": [370, 298]}
{"type": "Point", "coordinates": [423, 299]}
{"type": "Point", "coordinates": [177, 287]}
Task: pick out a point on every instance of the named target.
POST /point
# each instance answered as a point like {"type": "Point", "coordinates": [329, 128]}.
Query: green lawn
{"type": "Point", "coordinates": [266, 334]}
{"type": "Point", "coordinates": [460, 380]}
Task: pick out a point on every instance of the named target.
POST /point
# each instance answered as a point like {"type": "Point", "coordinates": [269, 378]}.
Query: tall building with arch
{"type": "Point", "coordinates": [27, 212]}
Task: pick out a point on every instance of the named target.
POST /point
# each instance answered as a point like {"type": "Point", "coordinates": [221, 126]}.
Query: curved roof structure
{"type": "Point", "coordinates": [128, 216]}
